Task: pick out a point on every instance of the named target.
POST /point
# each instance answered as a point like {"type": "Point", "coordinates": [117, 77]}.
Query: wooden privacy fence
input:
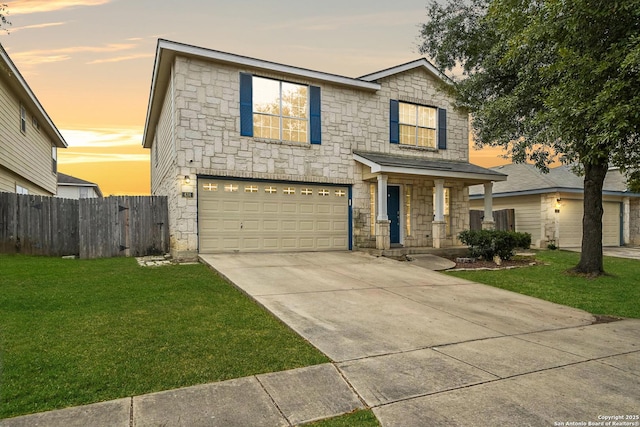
{"type": "Point", "coordinates": [505, 219]}
{"type": "Point", "coordinates": [90, 228]}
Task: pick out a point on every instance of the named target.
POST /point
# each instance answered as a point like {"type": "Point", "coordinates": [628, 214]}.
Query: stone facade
{"type": "Point", "coordinates": [197, 134]}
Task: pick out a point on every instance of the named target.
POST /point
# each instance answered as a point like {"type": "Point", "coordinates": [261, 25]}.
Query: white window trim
{"type": "Point", "coordinates": [417, 126]}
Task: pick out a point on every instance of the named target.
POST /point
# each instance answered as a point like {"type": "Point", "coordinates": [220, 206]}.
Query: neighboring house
{"type": "Point", "coordinates": [259, 156]}
{"type": "Point", "coordinates": [550, 206]}
{"type": "Point", "coordinates": [29, 140]}
{"type": "Point", "coordinates": [70, 187]}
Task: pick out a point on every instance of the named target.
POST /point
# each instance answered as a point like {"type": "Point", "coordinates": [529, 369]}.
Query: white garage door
{"type": "Point", "coordinates": [571, 223]}
{"type": "Point", "coordinates": [271, 216]}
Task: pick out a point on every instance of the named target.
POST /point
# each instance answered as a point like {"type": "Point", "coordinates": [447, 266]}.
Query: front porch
{"type": "Point", "coordinates": [418, 203]}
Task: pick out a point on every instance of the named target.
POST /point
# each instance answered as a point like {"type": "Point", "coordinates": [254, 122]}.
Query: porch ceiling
{"type": "Point", "coordinates": [405, 165]}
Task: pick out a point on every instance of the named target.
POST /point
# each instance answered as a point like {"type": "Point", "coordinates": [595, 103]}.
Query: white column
{"type": "Point", "coordinates": [626, 218]}
{"type": "Point", "coordinates": [382, 198]}
{"type": "Point", "coordinates": [438, 209]}
{"type": "Point", "coordinates": [488, 202]}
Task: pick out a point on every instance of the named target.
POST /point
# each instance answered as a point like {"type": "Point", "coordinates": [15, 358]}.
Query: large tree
{"type": "Point", "coordinates": [548, 79]}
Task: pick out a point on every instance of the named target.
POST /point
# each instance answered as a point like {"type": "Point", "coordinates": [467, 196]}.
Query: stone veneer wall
{"type": "Point", "coordinates": [206, 140]}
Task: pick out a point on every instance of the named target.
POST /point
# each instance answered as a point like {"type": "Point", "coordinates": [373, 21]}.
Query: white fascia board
{"type": "Point", "coordinates": [377, 168]}
{"type": "Point", "coordinates": [406, 67]}
{"type": "Point", "coordinates": [267, 65]}
{"type": "Point", "coordinates": [14, 72]}
{"type": "Point", "coordinates": [153, 112]}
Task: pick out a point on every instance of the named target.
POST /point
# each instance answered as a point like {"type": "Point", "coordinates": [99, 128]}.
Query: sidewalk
{"type": "Point", "coordinates": [277, 399]}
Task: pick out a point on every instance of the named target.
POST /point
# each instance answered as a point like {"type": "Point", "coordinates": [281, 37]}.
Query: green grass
{"type": "Point", "coordinates": [615, 294]}
{"type": "Point", "coordinates": [74, 332]}
{"type": "Point", "coordinates": [362, 418]}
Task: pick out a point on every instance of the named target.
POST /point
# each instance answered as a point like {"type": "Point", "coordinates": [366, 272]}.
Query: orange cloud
{"type": "Point", "coordinates": [42, 56]}
{"type": "Point", "coordinates": [121, 58]}
{"type": "Point", "coordinates": [35, 26]}
{"type": "Point", "coordinates": [35, 6]}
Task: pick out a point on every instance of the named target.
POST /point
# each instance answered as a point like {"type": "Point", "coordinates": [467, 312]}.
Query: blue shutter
{"type": "Point", "coordinates": [394, 121]}
{"type": "Point", "coordinates": [442, 129]}
{"type": "Point", "coordinates": [246, 105]}
{"type": "Point", "coordinates": [315, 123]}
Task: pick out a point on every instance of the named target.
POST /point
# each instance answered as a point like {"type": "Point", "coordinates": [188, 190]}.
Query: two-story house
{"type": "Point", "coordinates": [29, 140]}
{"type": "Point", "coordinates": [259, 156]}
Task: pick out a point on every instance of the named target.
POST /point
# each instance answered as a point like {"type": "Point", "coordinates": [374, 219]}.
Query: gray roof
{"type": "Point", "coordinates": [437, 167]}
{"type": "Point", "coordinates": [527, 179]}
{"type": "Point", "coordinates": [68, 180]}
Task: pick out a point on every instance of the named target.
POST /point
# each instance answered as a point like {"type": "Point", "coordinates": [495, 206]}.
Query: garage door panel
{"type": "Point", "coordinates": [270, 225]}
{"type": "Point", "coordinates": [289, 226]}
{"type": "Point", "coordinates": [258, 216]}
{"type": "Point", "coordinates": [270, 207]}
{"type": "Point", "coordinates": [306, 226]}
{"type": "Point", "coordinates": [251, 207]}
{"type": "Point", "coordinates": [231, 206]}
{"type": "Point", "coordinates": [289, 208]}
{"type": "Point", "coordinates": [307, 243]}
{"type": "Point", "coordinates": [323, 209]}
{"type": "Point", "coordinates": [307, 208]}
{"type": "Point", "coordinates": [250, 225]}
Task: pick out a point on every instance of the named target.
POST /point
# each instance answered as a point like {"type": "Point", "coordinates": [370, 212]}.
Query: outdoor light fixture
{"type": "Point", "coordinates": [557, 205]}
{"type": "Point", "coordinates": [187, 188]}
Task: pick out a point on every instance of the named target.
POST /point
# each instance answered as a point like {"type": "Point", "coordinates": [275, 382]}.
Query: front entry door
{"type": "Point", "coordinates": [393, 212]}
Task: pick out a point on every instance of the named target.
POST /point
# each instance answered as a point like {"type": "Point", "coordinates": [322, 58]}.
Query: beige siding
{"type": "Point", "coordinates": [527, 213]}
{"type": "Point", "coordinates": [27, 155]}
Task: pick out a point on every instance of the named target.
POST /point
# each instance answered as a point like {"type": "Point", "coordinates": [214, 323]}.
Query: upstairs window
{"type": "Point", "coordinates": [417, 125]}
{"type": "Point", "coordinates": [279, 110]}
{"type": "Point", "coordinates": [23, 119]}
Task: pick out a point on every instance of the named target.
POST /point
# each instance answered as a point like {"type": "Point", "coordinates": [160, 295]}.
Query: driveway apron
{"type": "Point", "coordinates": [424, 348]}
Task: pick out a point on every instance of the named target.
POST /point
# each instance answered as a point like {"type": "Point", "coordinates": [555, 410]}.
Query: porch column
{"type": "Point", "coordinates": [439, 228]}
{"type": "Point", "coordinates": [383, 231]}
{"type": "Point", "coordinates": [488, 222]}
{"type": "Point", "coordinates": [382, 198]}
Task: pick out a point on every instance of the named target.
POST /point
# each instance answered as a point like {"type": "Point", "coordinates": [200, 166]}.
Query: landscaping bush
{"type": "Point", "coordinates": [488, 243]}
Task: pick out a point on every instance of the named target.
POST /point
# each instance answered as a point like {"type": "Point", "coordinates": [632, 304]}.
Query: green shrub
{"type": "Point", "coordinates": [488, 243]}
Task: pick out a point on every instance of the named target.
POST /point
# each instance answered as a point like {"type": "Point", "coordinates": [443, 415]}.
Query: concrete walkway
{"type": "Point", "coordinates": [419, 347]}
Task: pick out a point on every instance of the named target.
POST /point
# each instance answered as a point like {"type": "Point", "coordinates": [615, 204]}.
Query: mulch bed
{"type": "Point", "coordinates": [480, 264]}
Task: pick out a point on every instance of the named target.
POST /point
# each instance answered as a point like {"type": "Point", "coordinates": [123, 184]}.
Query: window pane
{"type": "Point", "coordinates": [407, 135]}
{"type": "Point", "coordinates": [427, 117]}
{"type": "Point", "coordinates": [266, 126]}
{"type": "Point", "coordinates": [294, 130]}
{"type": "Point", "coordinates": [294, 100]}
{"type": "Point", "coordinates": [266, 96]}
{"type": "Point", "coordinates": [426, 137]}
{"type": "Point", "coordinates": [407, 113]}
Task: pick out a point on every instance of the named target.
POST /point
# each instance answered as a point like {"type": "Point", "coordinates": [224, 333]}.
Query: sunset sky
{"type": "Point", "coordinates": [89, 62]}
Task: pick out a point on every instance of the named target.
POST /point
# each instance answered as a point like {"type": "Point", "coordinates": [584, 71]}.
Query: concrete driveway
{"type": "Point", "coordinates": [422, 348]}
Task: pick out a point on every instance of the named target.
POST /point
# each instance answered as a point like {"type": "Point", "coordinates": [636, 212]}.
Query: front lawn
{"type": "Point", "coordinates": [616, 294]}
{"type": "Point", "coordinates": [74, 332]}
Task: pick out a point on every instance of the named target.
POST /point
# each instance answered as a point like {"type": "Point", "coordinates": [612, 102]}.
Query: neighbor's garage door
{"type": "Point", "coordinates": [271, 216]}
{"type": "Point", "coordinates": [571, 223]}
